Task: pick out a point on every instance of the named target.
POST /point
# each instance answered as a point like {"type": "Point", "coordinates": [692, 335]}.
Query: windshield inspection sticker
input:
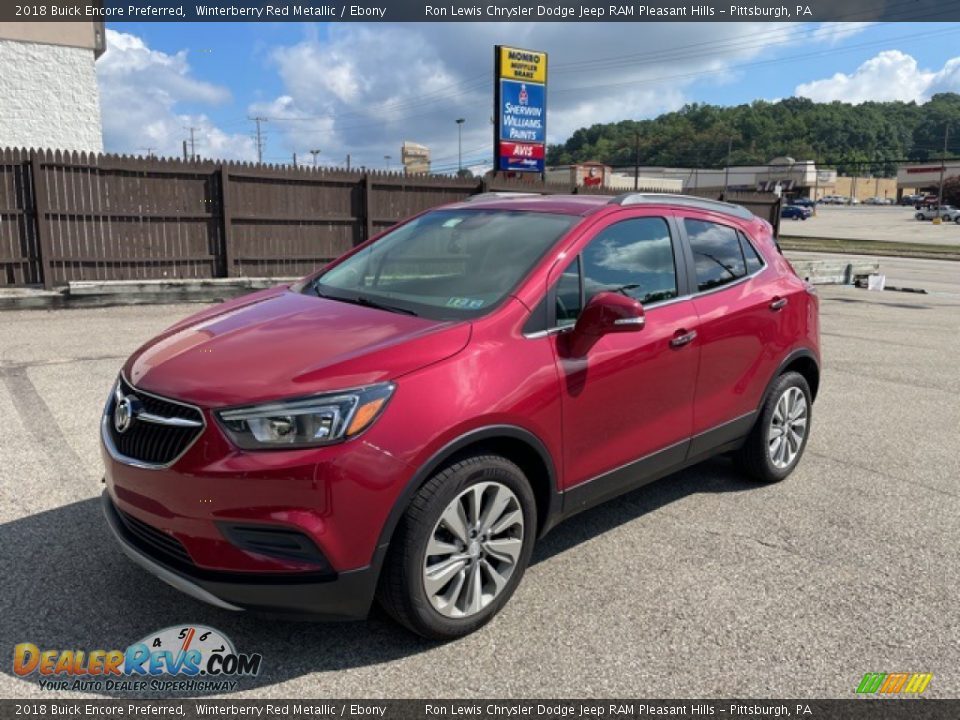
{"type": "Point", "coordinates": [465, 303]}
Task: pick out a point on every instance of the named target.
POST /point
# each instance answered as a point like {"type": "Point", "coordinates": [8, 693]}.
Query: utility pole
{"type": "Point", "coordinates": [726, 170]}
{"type": "Point", "coordinates": [943, 166]}
{"type": "Point", "coordinates": [386, 159]}
{"type": "Point", "coordinates": [259, 119]}
{"type": "Point", "coordinates": [460, 122]}
{"type": "Point", "coordinates": [636, 160]}
{"type": "Point", "coordinates": [816, 181]}
{"type": "Point", "coordinates": [184, 150]}
{"type": "Point", "coordinates": [315, 152]}
{"type": "Point", "coordinates": [348, 161]}
{"type": "Point", "coordinates": [193, 143]}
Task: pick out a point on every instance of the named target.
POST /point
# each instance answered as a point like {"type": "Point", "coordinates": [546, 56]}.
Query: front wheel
{"type": "Point", "coordinates": [460, 549]}
{"type": "Point", "coordinates": [919, 216]}
{"type": "Point", "coordinates": [779, 437]}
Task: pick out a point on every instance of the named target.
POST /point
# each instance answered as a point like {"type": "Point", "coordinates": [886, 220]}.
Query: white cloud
{"type": "Point", "coordinates": [141, 93]}
{"type": "Point", "coordinates": [366, 88]}
{"type": "Point", "coordinates": [890, 75]}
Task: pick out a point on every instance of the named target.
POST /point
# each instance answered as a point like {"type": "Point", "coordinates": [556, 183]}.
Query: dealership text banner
{"type": "Point", "coordinates": [504, 11]}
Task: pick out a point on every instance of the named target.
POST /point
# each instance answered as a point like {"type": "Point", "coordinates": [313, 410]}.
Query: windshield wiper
{"type": "Point", "coordinates": [365, 302]}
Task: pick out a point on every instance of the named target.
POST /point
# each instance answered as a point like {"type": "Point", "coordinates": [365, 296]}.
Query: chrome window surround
{"type": "Point", "coordinates": [556, 330]}
{"type": "Point", "coordinates": [107, 418]}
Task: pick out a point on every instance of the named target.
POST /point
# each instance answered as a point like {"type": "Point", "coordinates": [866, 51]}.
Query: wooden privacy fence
{"type": "Point", "coordinates": [69, 216]}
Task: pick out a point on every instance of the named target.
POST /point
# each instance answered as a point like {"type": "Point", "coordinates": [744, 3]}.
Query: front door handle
{"type": "Point", "coordinates": [778, 304]}
{"type": "Point", "coordinates": [684, 339]}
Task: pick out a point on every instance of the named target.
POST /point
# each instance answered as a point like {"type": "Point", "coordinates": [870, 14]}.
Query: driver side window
{"type": "Point", "coordinates": [633, 257]}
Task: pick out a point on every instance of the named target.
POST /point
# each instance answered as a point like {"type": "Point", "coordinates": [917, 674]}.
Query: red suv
{"type": "Point", "coordinates": [405, 423]}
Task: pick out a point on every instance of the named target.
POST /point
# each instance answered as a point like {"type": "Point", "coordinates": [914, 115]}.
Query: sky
{"type": "Point", "coordinates": [362, 89]}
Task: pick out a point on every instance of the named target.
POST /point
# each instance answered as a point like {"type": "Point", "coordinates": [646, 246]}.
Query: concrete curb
{"type": "Point", "coordinates": [133, 292]}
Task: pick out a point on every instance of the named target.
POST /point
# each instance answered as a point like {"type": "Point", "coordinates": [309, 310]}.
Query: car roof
{"type": "Point", "coordinates": [583, 205]}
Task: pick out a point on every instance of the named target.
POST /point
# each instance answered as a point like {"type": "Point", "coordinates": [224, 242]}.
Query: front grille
{"type": "Point", "coordinates": [153, 443]}
{"type": "Point", "coordinates": [155, 541]}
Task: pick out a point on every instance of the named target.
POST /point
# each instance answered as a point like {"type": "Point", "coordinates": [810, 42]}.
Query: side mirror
{"type": "Point", "coordinates": [609, 312]}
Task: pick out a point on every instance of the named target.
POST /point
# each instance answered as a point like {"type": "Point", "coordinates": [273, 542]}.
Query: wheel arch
{"type": "Point", "coordinates": [516, 444]}
{"type": "Point", "coordinates": [802, 361]}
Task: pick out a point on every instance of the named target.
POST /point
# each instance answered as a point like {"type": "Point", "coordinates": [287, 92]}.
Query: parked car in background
{"type": "Point", "coordinates": [910, 199]}
{"type": "Point", "coordinates": [877, 200]}
{"type": "Point", "coordinates": [945, 212]}
{"type": "Point", "coordinates": [408, 421]}
{"type": "Point", "coordinates": [832, 200]}
{"type": "Point", "coordinates": [927, 201]}
{"type": "Point", "coordinates": [795, 212]}
{"type": "Point", "coordinates": [802, 202]}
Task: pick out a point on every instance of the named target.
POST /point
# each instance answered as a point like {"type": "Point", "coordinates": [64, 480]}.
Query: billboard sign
{"type": "Point", "coordinates": [520, 128]}
{"type": "Point", "coordinates": [521, 156]}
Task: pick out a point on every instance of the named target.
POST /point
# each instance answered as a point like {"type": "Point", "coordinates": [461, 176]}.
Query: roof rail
{"type": "Point", "coordinates": [503, 194]}
{"type": "Point", "coordinates": [691, 201]}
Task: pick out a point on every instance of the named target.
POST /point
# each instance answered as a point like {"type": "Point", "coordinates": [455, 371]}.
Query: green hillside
{"type": "Point", "coordinates": [866, 137]}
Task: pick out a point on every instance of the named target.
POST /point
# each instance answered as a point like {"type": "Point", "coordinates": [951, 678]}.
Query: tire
{"type": "Point", "coordinates": [919, 216]}
{"type": "Point", "coordinates": [757, 458]}
{"type": "Point", "coordinates": [403, 592]}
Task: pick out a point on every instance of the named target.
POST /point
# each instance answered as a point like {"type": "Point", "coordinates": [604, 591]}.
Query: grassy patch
{"type": "Point", "coordinates": [870, 247]}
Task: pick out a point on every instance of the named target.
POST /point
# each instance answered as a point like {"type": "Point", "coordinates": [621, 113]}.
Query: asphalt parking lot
{"type": "Point", "coordinates": [892, 223]}
{"type": "Point", "coordinates": [698, 585]}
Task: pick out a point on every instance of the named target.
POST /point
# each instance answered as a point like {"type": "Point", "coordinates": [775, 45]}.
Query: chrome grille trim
{"type": "Point", "coordinates": [172, 422]}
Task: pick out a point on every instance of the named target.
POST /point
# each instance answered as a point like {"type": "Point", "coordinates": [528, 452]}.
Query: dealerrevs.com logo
{"type": "Point", "coordinates": [190, 658]}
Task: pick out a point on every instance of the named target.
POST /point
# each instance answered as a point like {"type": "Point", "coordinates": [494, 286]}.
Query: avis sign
{"type": "Point", "coordinates": [521, 100]}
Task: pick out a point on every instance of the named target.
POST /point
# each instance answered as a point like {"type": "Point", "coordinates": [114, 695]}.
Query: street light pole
{"type": "Point", "coordinates": [460, 122]}
{"type": "Point", "coordinates": [943, 167]}
{"type": "Point", "coordinates": [315, 153]}
{"type": "Point", "coordinates": [386, 159]}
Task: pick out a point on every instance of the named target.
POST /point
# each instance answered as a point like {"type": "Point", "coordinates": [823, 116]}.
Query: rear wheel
{"type": "Point", "coordinates": [460, 549]}
{"type": "Point", "coordinates": [779, 437]}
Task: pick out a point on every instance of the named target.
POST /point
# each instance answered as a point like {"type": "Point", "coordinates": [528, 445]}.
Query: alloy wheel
{"type": "Point", "coordinates": [788, 427]}
{"type": "Point", "coordinates": [473, 550]}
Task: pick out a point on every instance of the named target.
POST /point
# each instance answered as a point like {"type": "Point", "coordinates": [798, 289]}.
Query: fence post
{"type": "Point", "coordinates": [367, 207]}
{"type": "Point", "coordinates": [41, 205]}
{"type": "Point", "coordinates": [226, 224]}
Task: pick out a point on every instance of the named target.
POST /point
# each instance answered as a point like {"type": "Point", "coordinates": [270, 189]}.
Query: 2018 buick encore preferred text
{"type": "Point", "coordinates": [405, 423]}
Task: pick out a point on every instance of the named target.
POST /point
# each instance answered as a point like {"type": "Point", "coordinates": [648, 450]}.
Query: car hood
{"type": "Point", "coordinates": [278, 343]}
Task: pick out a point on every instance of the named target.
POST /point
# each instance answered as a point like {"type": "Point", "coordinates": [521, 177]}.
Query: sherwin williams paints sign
{"type": "Point", "coordinates": [521, 102]}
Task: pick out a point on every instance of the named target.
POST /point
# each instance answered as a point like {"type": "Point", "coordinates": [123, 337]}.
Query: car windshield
{"type": "Point", "coordinates": [446, 264]}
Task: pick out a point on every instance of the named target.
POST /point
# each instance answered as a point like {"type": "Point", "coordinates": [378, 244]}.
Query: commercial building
{"type": "Point", "coordinates": [48, 85]}
{"type": "Point", "coordinates": [925, 177]}
{"type": "Point", "coordinates": [415, 157]}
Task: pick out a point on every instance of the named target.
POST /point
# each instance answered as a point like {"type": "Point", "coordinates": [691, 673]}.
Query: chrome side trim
{"type": "Point", "coordinates": [106, 419]}
{"type": "Point", "coordinates": [631, 321]}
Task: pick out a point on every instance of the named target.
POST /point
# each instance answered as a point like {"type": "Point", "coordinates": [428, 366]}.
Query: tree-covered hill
{"type": "Point", "coordinates": [865, 137]}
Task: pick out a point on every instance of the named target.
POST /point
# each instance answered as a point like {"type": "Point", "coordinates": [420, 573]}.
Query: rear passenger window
{"type": "Point", "coordinates": [750, 254]}
{"type": "Point", "coordinates": [717, 254]}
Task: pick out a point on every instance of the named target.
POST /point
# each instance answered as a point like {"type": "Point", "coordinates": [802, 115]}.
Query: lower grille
{"type": "Point", "coordinates": [156, 541]}
{"type": "Point", "coordinates": [171, 428]}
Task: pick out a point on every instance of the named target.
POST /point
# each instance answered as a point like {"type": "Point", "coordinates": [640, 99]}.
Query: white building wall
{"type": "Point", "coordinates": [48, 97]}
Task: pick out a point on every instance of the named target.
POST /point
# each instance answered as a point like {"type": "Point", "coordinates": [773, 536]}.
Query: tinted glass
{"type": "Point", "coordinates": [754, 262]}
{"type": "Point", "coordinates": [448, 263]}
{"type": "Point", "coordinates": [568, 294]}
{"type": "Point", "coordinates": [716, 253]}
{"type": "Point", "coordinates": [633, 257]}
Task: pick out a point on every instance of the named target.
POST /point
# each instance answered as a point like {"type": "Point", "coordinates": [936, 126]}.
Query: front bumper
{"type": "Point", "coordinates": [344, 595]}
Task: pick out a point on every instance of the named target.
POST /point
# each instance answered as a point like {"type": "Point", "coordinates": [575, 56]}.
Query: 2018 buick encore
{"type": "Point", "coordinates": [405, 423]}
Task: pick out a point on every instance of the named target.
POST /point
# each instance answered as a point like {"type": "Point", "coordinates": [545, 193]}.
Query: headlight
{"type": "Point", "coordinates": [307, 422]}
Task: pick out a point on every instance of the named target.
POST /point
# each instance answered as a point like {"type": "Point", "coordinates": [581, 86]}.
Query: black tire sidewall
{"type": "Point", "coordinates": [425, 619]}
{"type": "Point", "coordinates": [784, 382]}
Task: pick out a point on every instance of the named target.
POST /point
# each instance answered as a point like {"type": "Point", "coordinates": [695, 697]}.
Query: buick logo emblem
{"type": "Point", "coordinates": [124, 413]}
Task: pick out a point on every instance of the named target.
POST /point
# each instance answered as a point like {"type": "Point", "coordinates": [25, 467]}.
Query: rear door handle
{"type": "Point", "coordinates": [778, 304]}
{"type": "Point", "coordinates": [684, 339]}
